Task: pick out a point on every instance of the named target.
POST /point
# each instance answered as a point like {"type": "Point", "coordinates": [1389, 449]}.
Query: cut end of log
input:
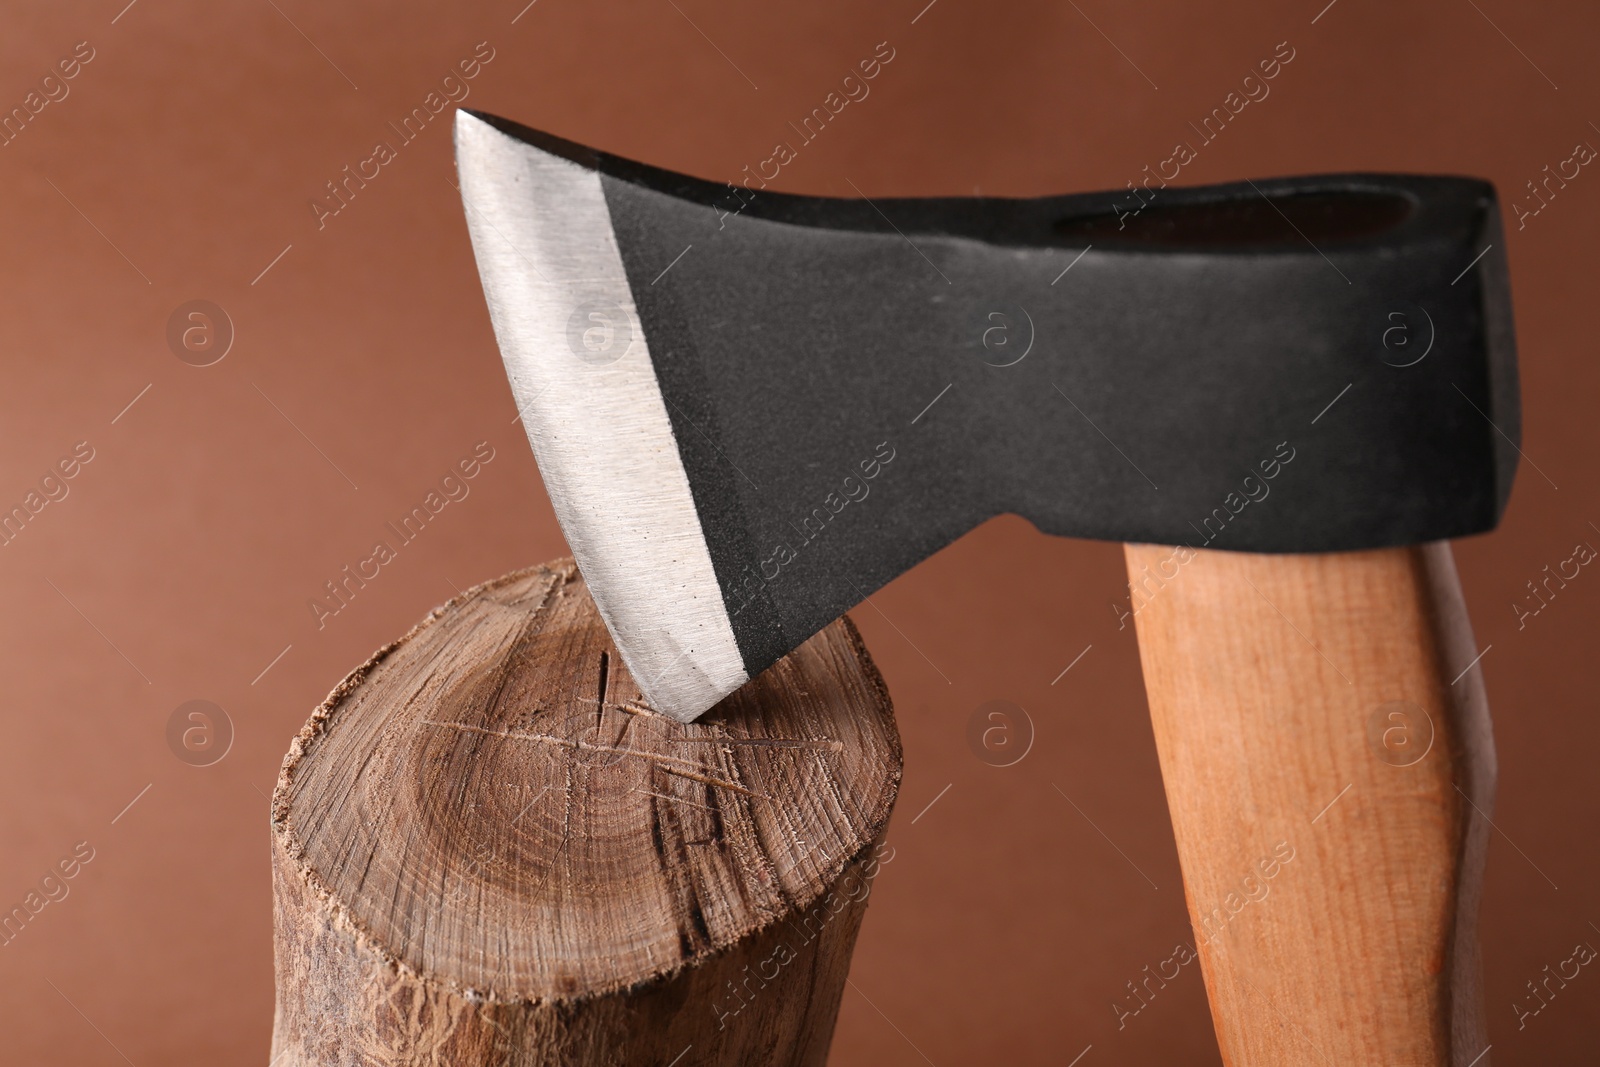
{"type": "Point", "coordinates": [488, 849]}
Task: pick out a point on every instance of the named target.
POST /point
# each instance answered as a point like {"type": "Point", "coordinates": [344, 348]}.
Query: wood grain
{"type": "Point", "coordinates": [487, 850]}
{"type": "Point", "coordinates": [1329, 768]}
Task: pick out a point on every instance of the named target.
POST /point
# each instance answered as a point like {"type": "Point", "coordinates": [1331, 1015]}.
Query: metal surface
{"type": "Point", "coordinates": [581, 373]}
{"type": "Point", "coordinates": [1291, 365]}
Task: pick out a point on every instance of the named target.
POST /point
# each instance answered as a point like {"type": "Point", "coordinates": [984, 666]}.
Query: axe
{"type": "Point", "coordinates": [752, 410]}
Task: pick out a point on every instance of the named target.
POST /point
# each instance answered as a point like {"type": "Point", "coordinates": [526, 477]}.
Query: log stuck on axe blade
{"type": "Point", "coordinates": [487, 850]}
{"type": "Point", "coordinates": [752, 410]}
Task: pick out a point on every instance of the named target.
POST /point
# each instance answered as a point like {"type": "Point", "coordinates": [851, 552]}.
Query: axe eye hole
{"type": "Point", "coordinates": [1248, 223]}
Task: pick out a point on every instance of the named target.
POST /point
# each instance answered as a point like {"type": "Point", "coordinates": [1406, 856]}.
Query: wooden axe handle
{"type": "Point", "coordinates": [1329, 767]}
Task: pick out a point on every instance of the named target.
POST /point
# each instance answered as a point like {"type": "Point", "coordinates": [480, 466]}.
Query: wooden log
{"type": "Point", "coordinates": [487, 850]}
{"type": "Point", "coordinates": [1324, 740]}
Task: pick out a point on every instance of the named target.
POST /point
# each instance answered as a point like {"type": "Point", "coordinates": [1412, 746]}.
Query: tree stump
{"type": "Point", "coordinates": [488, 850]}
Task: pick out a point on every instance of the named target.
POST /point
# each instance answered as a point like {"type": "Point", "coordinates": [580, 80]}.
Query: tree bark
{"type": "Point", "coordinates": [488, 850]}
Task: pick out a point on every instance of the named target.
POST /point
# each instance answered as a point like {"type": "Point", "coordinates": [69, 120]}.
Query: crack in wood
{"type": "Point", "coordinates": [664, 761]}
{"type": "Point", "coordinates": [762, 742]}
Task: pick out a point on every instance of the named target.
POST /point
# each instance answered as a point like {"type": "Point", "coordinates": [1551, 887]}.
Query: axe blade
{"type": "Point", "coordinates": [751, 410]}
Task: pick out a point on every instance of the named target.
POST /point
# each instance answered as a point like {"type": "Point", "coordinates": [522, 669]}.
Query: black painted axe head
{"type": "Point", "coordinates": [752, 410]}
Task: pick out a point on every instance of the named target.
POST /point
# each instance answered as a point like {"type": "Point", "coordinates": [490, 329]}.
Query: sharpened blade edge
{"type": "Point", "coordinates": [580, 371]}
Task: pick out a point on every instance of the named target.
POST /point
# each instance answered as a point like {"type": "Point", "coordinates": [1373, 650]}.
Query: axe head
{"type": "Point", "coordinates": [752, 410]}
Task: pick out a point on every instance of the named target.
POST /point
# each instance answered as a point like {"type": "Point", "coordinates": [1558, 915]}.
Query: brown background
{"type": "Point", "coordinates": [181, 563]}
